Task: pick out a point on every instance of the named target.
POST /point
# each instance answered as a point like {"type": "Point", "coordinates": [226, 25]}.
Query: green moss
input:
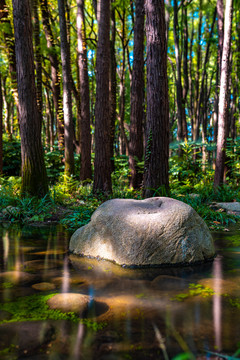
{"type": "Point", "coordinates": [194, 290]}
{"type": "Point", "coordinates": [7, 285]}
{"type": "Point", "coordinates": [34, 307]}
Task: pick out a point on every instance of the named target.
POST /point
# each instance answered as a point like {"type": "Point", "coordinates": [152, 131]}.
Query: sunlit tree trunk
{"type": "Point", "coordinates": [67, 92]}
{"type": "Point", "coordinates": [102, 163]}
{"type": "Point", "coordinates": [156, 179]}
{"type": "Point", "coordinates": [137, 98]}
{"type": "Point", "coordinates": [223, 96]}
{"type": "Point", "coordinates": [85, 135]}
{"type": "Point", "coordinates": [220, 24]}
{"type": "Point", "coordinates": [34, 178]}
{"type": "Point", "coordinates": [1, 127]}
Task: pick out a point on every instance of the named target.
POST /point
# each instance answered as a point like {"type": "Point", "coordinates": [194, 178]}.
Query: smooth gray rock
{"type": "Point", "coordinates": [230, 206]}
{"type": "Point", "coordinates": [153, 231]}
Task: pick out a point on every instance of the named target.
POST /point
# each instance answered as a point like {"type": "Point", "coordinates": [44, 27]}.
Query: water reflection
{"type": "Point", "coordinates": [78, 343]}
{"type": "Point", "coordinates": [217, 301]}
{"type": "Point", "coordinates": [66, 276]}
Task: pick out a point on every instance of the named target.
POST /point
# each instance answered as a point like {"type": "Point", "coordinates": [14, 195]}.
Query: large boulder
{"type": "Point", "coordinates": [155, 231]}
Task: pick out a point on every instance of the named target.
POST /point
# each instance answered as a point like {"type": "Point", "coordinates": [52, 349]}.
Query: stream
{"type": "Point", "coordinates": [153, 313]}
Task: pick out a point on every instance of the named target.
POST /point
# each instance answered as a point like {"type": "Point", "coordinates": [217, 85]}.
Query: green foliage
{"type": "Point", "coordinates": [12, 157]}
{"type": "Point", "coordinates": [25, 209]}
{"type": "Point", "coordinates": [54, 164]}
{"type": "Point", "coordinates": [78, 218]}
{"type": "Point", "coordinates": [194, 290]}
{"type": "Point", "coordinates": [35, 308]}
{"type": "Point", "coordinates": [184, 172]}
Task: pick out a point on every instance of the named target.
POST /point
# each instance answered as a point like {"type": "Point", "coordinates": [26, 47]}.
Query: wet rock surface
{"type": "Point", "coordinates": [155, 231]}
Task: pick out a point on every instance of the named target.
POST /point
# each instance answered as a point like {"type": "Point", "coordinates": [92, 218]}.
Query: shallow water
{"type": "Point", "coordinates": [137, 314]}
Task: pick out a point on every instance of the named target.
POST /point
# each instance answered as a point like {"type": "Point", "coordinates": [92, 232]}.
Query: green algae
{"type": "Point", "coordinates": [194, 290]}
{"type": "Point", "coordinates": [35, 308]}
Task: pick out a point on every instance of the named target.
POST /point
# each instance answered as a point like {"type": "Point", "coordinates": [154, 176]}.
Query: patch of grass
{"type": "Point", "coordinates": [34, 307]}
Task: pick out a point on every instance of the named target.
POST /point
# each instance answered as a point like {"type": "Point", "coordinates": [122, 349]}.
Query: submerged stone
{"type": "Point", "coordinates": [69, 302]}
{"type": "Point", "coordinates": [44, 286]}
{"type": "Point", "coordinates": [155, 231]}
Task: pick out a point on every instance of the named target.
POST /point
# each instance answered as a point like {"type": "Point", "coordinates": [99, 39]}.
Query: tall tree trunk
{"type": "Point", "coordinates": [113, 84]}
{"type": "Point", "coordinates": [38, 55]}
{"type": "Point", "coordinates": [185, 62]}
{"type": "Point", "coordinates": [67, 92]}
{"type": "Point", "coordinates": [102, 163]}
{"type": "Point", "coordinates": [220, 11]}
{"type": "Point", "coordinates": [204, 71]}
{"type": "Point", "coordinates": [55, 77]}
{"type": "Point", "coordinates": [123, 137]}
{"type": "Point", "coordinates": [195, 129]}
{"type": "Point", "coordinates": [1, 127]}
{"type": "Point", "coordinates": [223, 96]}
{"type": "Point", "coordinates": [137, 98]}
{"type": "Point", "coordinates": [182, 124]}
{"type": "Point", "coordinates": [157, 148]}
{"type": "Point", "coordinates": [85, 134]}
{"type": "Point", "coordinates": [10, 45]}
{"type": "Point", "coordinates": [34, 178]}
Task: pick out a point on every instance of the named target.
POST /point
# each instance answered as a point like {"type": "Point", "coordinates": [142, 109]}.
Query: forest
{"type": "Point", "coordinates": [119, 100]}
{"type": "Point", "coordinates": [124, 98]}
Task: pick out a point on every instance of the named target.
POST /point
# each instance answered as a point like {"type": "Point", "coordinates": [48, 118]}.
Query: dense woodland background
{"type": "Point", "coordinates": [98, 88]}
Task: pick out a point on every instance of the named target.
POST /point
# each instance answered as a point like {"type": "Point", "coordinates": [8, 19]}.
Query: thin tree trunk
{"type": "Point", "coordinates": [10, 46]}
{"type": "Point", "coordinates": [34, 178]}
{"type": "Point", "coordinates": [38, 56]}
{"type": "Point", "coordinates": [220, 23]}
{"type": "Point", "coordinates": [182, 124]}
{"type": "Point", "coordinates": [85, 135]}
{"type": "Point", "coordinates": [137, 98]}
{"type": "Point", "coordinates": [102, 163]}
{"type": "Point", "coordinates": [223, 96]}
{"type": "Point", "coordinates": [113, 85]}
{"type": "Point", "coordinates": [197, 75]}
{"type": "Point", "coordinates": [156, 179]}
{"type": "Point", "coordinates": [1, 127]}
{"type": "Point", "coordinates": [55, 76]}
{"type": "Point", "coordinates": [67, 92]}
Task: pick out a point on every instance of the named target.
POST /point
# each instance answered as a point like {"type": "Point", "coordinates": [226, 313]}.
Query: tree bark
{"type": "Point", "coordinates": [54, 61]}
{"type": "Point", "coordinates": [38, 55]}
{"type": "Point", "coordinates": [34, 178]}
{"type": "Point", "coordinates": [85, 135]}
{"type": "Point", "coordinates": [67, 92]}
{"type": "Point", "coordinates": [220, 11]}
{"type": "Point", "coordinates": [137, 98]}
{"type": "Point", "coordinates": [102, 163]}
{"type": "Point", "coordinates": [182, 124]}
{"type": "Point", "coordinates": [113, 85]}
{"type": "Point", "coordinates": [195, 129]}
{"type": "Point", "coordinates": [223, 96]}
{"type": "Point", "coordinates": [10, 46]}
{"type": "Point", "coordinates": [1, 127]}
{"type": "Point", "coordinates": [156, 180]}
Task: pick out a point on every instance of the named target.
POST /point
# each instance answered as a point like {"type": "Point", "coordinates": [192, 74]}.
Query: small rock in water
{"type": "Point", "coordinates": [44, 286]}
{"type": "Point", "coordinates": [69, 302]}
